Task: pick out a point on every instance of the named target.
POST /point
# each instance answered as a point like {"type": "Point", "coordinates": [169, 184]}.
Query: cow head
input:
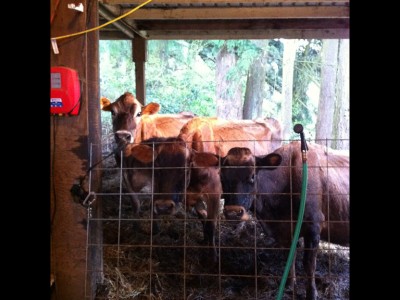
{"type": "Point", "coordinates": [205, 185]}
{"type": "Point", "coordinates": [126, 114]}
{"type": "Point", "coordinates": [169, 158]}
{"type": "Point", "coordinates": [177, 170]}
{"type": "Point", "coordinates": [238, 177]}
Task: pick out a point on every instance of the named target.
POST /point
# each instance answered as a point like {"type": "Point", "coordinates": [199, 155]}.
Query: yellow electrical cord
{"type": "Point", "coordinates": [101, 26]}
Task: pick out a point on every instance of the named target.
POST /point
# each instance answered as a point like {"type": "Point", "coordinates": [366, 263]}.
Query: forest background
{"type": "Point", "coordinates": [291, 80]}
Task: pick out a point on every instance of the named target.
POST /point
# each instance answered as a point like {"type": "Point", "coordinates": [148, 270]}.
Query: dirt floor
{"type": "Point", "coordinates": [173, 263]}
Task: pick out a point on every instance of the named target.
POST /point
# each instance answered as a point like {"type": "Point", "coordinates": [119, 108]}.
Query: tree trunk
{"type": "Point", "coordinates": [342, 109]}
{"type": "Point", "coordinates": [228, 91]}
{"type": "Point", "coordinates": [255, 89]}
{"type": "Point", "coordinates": [289, 55]}
{"type": "Point", "coordinates": [326, 106]}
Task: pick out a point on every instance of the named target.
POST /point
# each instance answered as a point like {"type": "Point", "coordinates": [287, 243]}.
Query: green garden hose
{"type": "Point", "coordinates": [298, 128]}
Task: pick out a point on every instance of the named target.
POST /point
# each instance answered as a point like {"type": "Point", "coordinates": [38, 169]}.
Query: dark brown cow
{"type": "Point", "coordinates": [204, 194]}
{"type": "Point", "coordinates": [175, 170]}
{"type": "Point", "coordinates": [277, 190]}
{"type": "Point", "coordinates": [217, 135]}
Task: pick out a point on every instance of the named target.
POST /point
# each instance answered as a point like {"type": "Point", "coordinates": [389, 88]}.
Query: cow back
{"type": "Point", "coordinates": [217, 135]}
{"type": "Point", "coordinates": [160, 125]}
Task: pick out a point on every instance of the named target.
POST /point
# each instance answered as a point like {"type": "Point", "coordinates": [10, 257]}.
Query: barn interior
{"type": "Point", "coordinates": [98, 250]}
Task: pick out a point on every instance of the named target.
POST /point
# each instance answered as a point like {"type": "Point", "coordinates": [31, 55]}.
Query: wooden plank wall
{"type": "Point", "coordinates": [71, 137]}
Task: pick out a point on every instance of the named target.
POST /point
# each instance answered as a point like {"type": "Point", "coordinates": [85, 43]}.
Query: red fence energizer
{"type": "Point", "coordinates": [65, 91]}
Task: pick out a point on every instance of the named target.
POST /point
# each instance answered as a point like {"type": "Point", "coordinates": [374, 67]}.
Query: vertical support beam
{"type": "Point", "coordinates": [70, 138]}
{"type": "Point", "coordinates": [139, 52]}
{"type": "Point", "coordinates": [94, 272]}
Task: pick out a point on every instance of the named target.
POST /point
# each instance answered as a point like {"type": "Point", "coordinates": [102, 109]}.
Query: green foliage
{"type": "Point", "coordinates": [117, 70]}
{"type": "Point", "coordinates": [180, 74]}
{"type": "Point", "coordinates": [307, 70]}
{"type": "Point", "coordinates": [274, 64]}
{"type": "Point", "coordinates": [246, 52]}
{"type": "Point", "coordinates": [178, 79]}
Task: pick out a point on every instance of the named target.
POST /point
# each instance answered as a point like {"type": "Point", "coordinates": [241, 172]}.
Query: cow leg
{"type": "Point", "coordinates": [291, 281]}
{"type": "Point", "coordinates": [311, 242]}
{"type": "Point", "coordinates": [155, 225]}
{"type": "Point", "coordinates": [269, 237]}
{"type": "Point", "coordinates": [132, 194]}
{"type": "Point", "coordinates": [209, 239]}
{"type": "Point", "coordinates": [135, 202]}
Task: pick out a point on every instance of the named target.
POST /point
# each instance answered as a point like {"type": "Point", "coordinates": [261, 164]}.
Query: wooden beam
{"type": "Point", "coordinates": [241, 13]}
{"type": "Point", "coordinates": [121, 25]}
{"type": "Point", "coordinates": [247, 24]}
{"type": "Point", "coordinates": [125, 28]}
{"type": "Point", "coordinates": [94, 254]}
{"type": "Point", "coordinates": [239, 29]}
{"type": "Point", "coordinates": [335, 33]}
{"type": "Point", "coordinates": [172, 2]}
{"type": "Point", "coordinates": [139, 53]}
{"type": "Point", "coordinates": [112, 35]}
{"type": "Point", "coordinates": [70, 156]}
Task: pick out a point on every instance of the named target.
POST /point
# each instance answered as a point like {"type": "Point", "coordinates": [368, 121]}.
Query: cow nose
{"type": "Point", "coordinates": [123, 136]}
{"type": "Point", "coordinates": [235, 212]}
{"type": "Point", "coordinates": [164, 207]}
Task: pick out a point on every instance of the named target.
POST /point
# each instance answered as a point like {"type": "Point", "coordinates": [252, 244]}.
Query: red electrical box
{"type": "Point", "coordinates": [65, 91]}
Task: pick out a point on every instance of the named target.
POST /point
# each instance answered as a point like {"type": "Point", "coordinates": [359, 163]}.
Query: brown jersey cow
{"type": "Point", "coordinates": [132, 122]}
{"type": "Point", "coordinates": [274, 181]}
{"type": "Point", "coordinates": [217, 135]}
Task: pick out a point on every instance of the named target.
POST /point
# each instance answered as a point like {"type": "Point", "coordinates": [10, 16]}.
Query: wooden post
{"type": "Point", "coordinates": [94, 272]}
{"type": "Point", "coordinates": [140, 57]}
{"type": "Point", "coordinates": [70, 138]}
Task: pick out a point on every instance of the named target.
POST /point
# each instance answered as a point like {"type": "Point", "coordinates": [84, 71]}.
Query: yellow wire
{"type": "Point", "coordinates": [105, 24]}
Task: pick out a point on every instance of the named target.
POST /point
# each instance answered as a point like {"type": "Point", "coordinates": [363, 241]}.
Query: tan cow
{"type": "Point", "coordinates": [217, 135]}
{"type": "Point", "coordinates": [132, 122]}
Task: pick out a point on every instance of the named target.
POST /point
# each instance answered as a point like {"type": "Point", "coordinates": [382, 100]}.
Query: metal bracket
{"type": "Point", "coordinates": [86, 203]}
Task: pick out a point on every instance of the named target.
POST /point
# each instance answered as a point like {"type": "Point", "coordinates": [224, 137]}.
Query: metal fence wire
{"type": "Point", "coordinates": [174, 262]}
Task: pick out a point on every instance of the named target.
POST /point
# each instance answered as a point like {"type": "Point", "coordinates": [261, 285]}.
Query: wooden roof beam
{"type": "Point", "coordinates": [335, 33]}
{"type": "Point", "coordinates": [120, 24]}
{"type": "Point", "coordinates": [242, 13]}
{"type": "Point", "coordinates": [208, 2]}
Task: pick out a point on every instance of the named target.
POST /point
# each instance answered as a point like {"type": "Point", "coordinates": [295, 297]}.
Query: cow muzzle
{"type": "Point", "coordinates": [123, 136]}
{"type": "Point", "coordinates": [236, 212]}
{"type": "Point", "coordinates": [196, 205]}
{"type": "Point", "coordinates": [164, 207]}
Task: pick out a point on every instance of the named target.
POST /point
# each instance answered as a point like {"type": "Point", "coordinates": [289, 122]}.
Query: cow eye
{"type": "Point", "coordinates": [139, 114]}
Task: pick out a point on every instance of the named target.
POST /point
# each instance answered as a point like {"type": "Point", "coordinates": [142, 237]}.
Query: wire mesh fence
{"type": "Point", "coordinates": [174, 262]}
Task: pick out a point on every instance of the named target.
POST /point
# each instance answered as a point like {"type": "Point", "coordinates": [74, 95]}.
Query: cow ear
{"type": "Point", "coordinates": [151, 108]}
{"type": "Point", "coordinates": [223, 159]}
{"type": "Point", "coordinates": [270, 160]}
{"type": "Point", "coordinates": [142, 153]}
{"type": "Point", "coordinates": [205, 159]}
{"type": "Point", "coordinates": [105, 104]}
